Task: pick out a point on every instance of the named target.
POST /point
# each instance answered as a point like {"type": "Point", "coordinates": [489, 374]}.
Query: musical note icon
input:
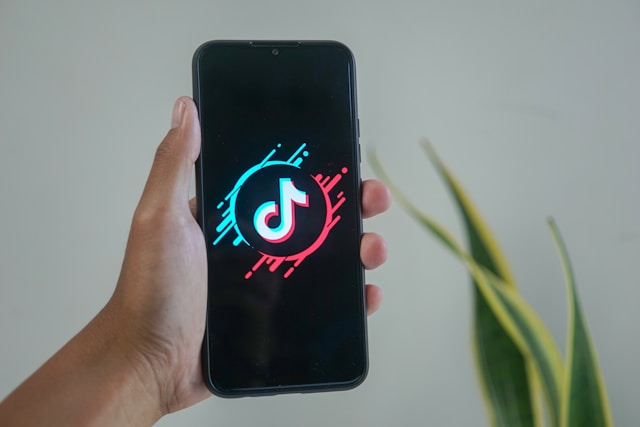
{"type": "Point", "coordinates": [274, 221]}
{"type": "Point", "coordinates": [290, 196]}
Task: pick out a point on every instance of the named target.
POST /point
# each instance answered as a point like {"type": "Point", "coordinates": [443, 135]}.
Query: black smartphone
{"type": "Point", "coordinates": [278, 199]}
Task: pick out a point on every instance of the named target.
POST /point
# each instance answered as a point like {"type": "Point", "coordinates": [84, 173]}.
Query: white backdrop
{"type": "Point", "coordinates": [536, 107]}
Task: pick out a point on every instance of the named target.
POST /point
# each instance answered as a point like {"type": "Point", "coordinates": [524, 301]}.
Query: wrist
{"type": "Point", "coordinates": [130, 376]}
{"type": "Point", "coordinates": [96, 379]}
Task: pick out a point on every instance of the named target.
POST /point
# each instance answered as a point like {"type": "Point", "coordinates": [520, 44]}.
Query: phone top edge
{"type": "Point", "coordinates": [258, 44]}
{"type": "Point", "coordinates": [272, 43]}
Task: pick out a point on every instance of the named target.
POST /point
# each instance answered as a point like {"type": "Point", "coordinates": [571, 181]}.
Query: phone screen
{"type": "Point", "coordinates": [279, 203]}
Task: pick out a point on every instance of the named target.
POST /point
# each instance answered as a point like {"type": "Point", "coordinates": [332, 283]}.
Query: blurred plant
{"type": "Point", "coordinates": [516, 357]}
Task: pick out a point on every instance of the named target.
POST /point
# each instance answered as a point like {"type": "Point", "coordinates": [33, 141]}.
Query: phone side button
{"type": "Point", "coordinates": [358, 121]}
{"type": "Point", "coordinates": [359, 154]}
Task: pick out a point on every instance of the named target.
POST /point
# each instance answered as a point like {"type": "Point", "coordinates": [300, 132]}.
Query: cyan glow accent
{"type": "Point", "coordinates": [229, 221]}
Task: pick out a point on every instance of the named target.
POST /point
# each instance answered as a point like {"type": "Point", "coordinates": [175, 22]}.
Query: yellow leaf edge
{"type": "Point", "coordinates": [484, 388]}
{"type": "Point", "coordinates": [482, 277]}
{"type": "Point", "coordinates": [502, 264]}
{"type": "Point", "coordinates": [569, 279]}
{"type": "Point", "coordinates": [469, 206]}
{"type": "Point", "coordinates": [535, 386]}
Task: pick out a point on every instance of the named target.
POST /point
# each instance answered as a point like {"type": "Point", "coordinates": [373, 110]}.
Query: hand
{"type": "Point", "coordinates": [164, 276]}
{"type": "Point", "coordinates": [146, 341]}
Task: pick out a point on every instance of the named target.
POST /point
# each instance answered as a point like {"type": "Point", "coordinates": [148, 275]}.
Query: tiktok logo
{"type": "Point", "coordinates": [281, 211]}
{"type": "Point", "coordinates": [290, 196]}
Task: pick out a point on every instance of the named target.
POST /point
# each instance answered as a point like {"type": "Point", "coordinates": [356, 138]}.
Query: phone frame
{"type": "Point", "coordinates": [355, 129]}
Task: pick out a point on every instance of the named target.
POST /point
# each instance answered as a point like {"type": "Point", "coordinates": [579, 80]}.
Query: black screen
{"type": "Point", "coordinates": [279, 202]}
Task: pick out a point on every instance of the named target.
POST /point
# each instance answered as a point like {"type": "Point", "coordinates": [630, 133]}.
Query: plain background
{"type": "Point", "coordinates": [534, 105]}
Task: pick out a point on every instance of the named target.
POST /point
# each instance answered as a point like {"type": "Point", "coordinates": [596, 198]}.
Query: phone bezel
{"type": "Point", "coordinates": [205, 356]}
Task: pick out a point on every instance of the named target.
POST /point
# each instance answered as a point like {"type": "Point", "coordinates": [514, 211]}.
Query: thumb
{"type": "Point", "coordinates": [172, 168]}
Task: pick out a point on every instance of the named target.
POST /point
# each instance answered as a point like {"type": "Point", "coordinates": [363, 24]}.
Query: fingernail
{"type": "Point", "coordinates": [178, 114]}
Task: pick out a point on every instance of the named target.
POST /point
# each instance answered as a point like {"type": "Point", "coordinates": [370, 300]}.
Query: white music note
{"type": "Point", "coordinates": [290, 196]}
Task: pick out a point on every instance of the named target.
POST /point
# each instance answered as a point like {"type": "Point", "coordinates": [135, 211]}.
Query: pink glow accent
{"type": "Point", "coordinates": [276, 212]}
{"type": "Point", "coordinates": [257, 265]}
{"type": "Point", "coordinates": [288, 272]}
{"type": "Point", "coordinates": [336, 179]}
{"type": "Point", "coordinates": [275, 263]}
{"type": "Point", "coordinates": [337, 205]}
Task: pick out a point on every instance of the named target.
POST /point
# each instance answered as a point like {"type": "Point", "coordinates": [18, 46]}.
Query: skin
{"type": "Point", "coordinates": [139, 358]}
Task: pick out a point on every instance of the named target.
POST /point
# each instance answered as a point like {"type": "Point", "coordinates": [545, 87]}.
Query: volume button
{"type": "Point", "coordinates": [358, 130]}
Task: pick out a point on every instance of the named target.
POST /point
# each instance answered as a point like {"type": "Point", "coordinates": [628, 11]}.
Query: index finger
{"type": "Point", "coordinates": [376, 198]}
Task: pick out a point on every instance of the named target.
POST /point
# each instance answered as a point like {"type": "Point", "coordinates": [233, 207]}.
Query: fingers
{"type": "Point", "coordinates": [373, 250]}
{"type": "Point", "coordinates": [374, 298]}
{"type": "Point", "coordinates": [376, 198]}
{"type": "Point", "coordinates": [172, 168]}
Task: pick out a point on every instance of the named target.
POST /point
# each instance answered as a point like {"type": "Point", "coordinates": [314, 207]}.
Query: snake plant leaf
{"type": "Point", "coordinates": [480, 237]}
{"type": "Point", "coordinates": [584, 397]}
{"type": "Point", "coordinates": [515, 316]}
{"type": "Point", "coordinates": [506, 379]}
{"type": "Point", "coordinates": [503, 373]}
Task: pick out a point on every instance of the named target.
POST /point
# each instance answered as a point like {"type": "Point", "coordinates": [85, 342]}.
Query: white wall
{"type": "Point", "coordinates": [535, 106]}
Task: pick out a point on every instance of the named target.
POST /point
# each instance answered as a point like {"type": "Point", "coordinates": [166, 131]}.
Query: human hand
{"type": "Point", "coordinates": [140, 357]}
{"type": "Point", "coordinates": [163, 283]}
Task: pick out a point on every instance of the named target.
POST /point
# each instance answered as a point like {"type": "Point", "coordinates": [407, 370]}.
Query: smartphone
{"type": "Point", "coordinates": [278, 199]}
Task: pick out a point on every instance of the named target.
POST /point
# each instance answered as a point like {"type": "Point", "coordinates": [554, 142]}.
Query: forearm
{"type": "Point", "coordinates": [94, 380]}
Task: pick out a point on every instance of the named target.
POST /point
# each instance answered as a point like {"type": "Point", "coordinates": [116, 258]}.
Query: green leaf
{"type": "Point", "coordinates": [504, 375]}
{"type": "Point", "coordinates": [514, 315]}
{"type": "Point", "coordinates": [502, 371]}
{"type": "Point", "coordinates": [480, 237]}
{"type": "Point", "coordinates": [584, 397]}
